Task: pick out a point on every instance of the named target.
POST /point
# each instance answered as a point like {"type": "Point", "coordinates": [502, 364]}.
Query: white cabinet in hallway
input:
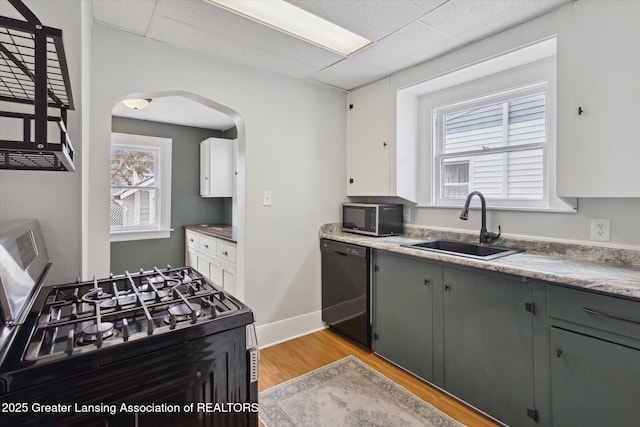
{"type": "Point", "coordinates": [215, 258]}
{"type": "Point", "coordinates": [216, 167]}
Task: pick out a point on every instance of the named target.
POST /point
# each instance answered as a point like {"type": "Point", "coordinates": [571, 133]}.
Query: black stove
{"type": "Point", "coordinates": [160, 347]}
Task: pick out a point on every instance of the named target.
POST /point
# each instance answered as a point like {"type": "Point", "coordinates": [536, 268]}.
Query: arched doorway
{"type": "Point", "coordinates": [189, 110]}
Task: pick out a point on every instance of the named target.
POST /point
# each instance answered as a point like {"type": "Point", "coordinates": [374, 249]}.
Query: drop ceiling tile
{"type": "Point", "coordinates": [349, 74]}
{"type": "Point", "coordinates": [373, 19]}
{"type": "Point", "coordinates": [409, 46]}
{"type": "Point", "coordinates": [217, 23]}
{"type": "Point", "coordinates": [131, 16]}
{"type": "Point", "coordinates": [472, 20]}
{"type": "Point", "coordinates": [196, 40]}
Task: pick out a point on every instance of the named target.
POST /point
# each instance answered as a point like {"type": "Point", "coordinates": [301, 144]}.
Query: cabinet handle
{"type": "Point", "coordinates": [611, 316]}
{"type": "Point", "coordinates": [384, 144]}
{"type": "Point", "coordinates": [191, 240]}
{"type": "Point", "coordinates": [225, 253]}
{"type": "Point", "coordinates": [580, 111]}
{"type": "Point", "coordinates": [558, 352]}
{"type": "Point", "coordinates": [427, 282]}
{"type": "Point", "coordinates": [447, 287]}
{"type": "Point", "coordinates": [206, 246]}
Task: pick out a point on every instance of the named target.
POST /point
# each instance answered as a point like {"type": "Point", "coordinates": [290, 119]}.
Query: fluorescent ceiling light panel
{"type": "Point", "coordinates": [290, 19]}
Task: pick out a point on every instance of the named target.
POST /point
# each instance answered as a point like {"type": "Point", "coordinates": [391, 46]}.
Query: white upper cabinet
{"type": "Point", "coordinates": [216, 167]}
{"type": "Point", "coordinates": [368, 144]}
{"type": "Point", "coordinates": [599, 101]}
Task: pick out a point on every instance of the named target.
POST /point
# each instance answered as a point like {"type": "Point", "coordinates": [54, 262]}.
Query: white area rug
{"type": "Point", "coordinates": [346, 393]}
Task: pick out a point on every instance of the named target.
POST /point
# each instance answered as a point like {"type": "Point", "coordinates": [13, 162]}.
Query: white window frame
{"type": "Point", "coordinates": [162, 147]}
{"type": "Point", "coordinates": [530, 64]}
{"type": "Point", "coordinates": [438, 114]}
{"type": "Point", "coordinates": [470, 164]}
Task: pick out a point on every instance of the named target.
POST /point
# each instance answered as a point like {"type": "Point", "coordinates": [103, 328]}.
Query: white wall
{"type": "Point", "coordinates": [623, 213]}
{"type": "Point", "coordinates": [54, 197]}
{"type": "Point", "coordinates": [295, 139]}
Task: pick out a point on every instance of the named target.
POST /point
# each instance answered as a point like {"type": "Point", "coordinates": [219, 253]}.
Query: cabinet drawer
{"type": "Point", "coordinates": [610, 314]}
{"type": "Point", "coordinates": [226, 251]}
{"type": "Point", "coordinates": [192, 239]}
{"type": "Point", "coordinates": [208, 245]}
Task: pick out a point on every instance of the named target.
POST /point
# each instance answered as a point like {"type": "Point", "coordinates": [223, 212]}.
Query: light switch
{"type": "Point", "coordinates": [266, 198]}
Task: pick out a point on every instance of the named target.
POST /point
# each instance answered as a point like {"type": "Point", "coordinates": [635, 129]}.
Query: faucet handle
{"type": "Point", "coordinates": [490, 237]}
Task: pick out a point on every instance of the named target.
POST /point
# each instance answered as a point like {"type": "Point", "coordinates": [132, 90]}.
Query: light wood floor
{"type": "Point", "coordinates": [290, 359]}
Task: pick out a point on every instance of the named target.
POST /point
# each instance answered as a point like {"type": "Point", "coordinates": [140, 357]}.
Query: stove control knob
{"type": "Point", "coordinates": [70, 343]}
{"type": "Point", "coordinates": [125, 330]}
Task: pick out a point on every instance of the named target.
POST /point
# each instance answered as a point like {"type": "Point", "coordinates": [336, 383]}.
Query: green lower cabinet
{"type": "Point", "coordinates": [488, 343]}
{"type": "Point", "coordinates": [593, 382]}
{"type": "Point", "coordinates": [402, 307]}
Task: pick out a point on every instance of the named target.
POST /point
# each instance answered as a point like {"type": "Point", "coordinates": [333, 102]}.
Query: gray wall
{"type": "Point", "coordinates": [187, 207]}
{"type": "Point", "coordinates": [54, 198]}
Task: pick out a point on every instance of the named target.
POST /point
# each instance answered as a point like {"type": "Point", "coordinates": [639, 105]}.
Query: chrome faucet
{"type": "Point", "coordinates": [485, 236]}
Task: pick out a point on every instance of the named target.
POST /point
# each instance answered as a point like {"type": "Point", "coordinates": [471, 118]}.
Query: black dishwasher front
{"type": "Point", "coordinates": [345, 289]}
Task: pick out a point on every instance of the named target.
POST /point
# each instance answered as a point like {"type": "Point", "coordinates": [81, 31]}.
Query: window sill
{"type": "Point", "coordinates": [503, 208]}
{"type": "Point", "coordinates": [123, 236]}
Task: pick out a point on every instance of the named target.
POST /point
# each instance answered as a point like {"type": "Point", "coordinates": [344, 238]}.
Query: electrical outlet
{"type": "Point", "coordinates": [601, 229]}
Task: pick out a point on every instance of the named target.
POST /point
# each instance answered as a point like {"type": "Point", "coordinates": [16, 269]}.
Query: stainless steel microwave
{"type": "Point", "coordinates": [373, 219]}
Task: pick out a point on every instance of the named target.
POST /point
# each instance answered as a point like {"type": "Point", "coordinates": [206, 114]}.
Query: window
{"type": "Point", "coordinates": [140, 177]}
{"type": "Point", "coordinates": [494, 144]}
{"type": "Point", "coordinates": [488, 125]}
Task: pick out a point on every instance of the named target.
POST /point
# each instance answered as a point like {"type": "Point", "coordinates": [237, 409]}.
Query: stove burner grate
{"type": "Point", "coordinates": [85, 316]}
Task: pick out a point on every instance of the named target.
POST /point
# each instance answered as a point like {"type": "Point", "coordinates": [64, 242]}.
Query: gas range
{"type": "Point", "coordinates": [163, 338]}
{"type": "Point", "coordinates": [84, 317]}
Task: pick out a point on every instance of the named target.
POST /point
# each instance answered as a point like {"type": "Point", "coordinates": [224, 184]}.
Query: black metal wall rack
{"type": "Point", "coordinates": [33, 71]}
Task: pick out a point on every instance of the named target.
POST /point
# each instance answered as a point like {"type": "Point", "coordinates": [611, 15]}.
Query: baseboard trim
{"type": "Point", "coordinates": [284, 330]}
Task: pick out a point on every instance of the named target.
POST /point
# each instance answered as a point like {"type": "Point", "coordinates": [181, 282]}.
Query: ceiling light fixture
{"type": "Point", "coordinates": [294, 21]}
{"type": "Point", "coordinates": [137, 103]}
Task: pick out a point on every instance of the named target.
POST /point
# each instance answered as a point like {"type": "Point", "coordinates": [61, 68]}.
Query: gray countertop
{"type": "Point", "coordinates": [220, 231]}
{"type": "Point", "coordinates": [609, 270]}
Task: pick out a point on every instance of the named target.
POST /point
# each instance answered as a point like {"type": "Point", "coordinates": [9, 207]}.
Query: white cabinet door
{"type": "Point", "coordinates": [191, 258]}
{"type": "Point", "coordinates": [216, 167]}
{"type": "Point", "coordinates": [202, 263]}
{"type": "Point", "coordinates": [214, 271]}
{"type": "Point", "coordinates": [229, 278]}
{"type": "Point", "coordinates": [598, 146]}
{"type": "Point", "coordinates": [368, 143]}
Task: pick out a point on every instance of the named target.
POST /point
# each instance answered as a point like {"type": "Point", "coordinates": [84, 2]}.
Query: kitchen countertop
{"type": "Point", "coordinates": [595, 268]}
{"type": "Point", "coordinates": [219, 231]}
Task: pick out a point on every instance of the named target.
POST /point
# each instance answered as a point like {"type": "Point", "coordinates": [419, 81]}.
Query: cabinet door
{"type": "Point", "coordinates": [488, 343]}
{"type": "Point", "coordinates": [403, 304]}
{"type": "Point", "coordinates": [216, 167]}
{"type": "Point", "coordinates": [191, 258]}
{"type": "Point", "coordinates": [229, 278]}
{"type": "Point", "coordinates": [597, 146]}
{"type": "Point", "coordinates": [214, 271]}
{"type": "Point", "coordinates": [205, 169]}
{"type": "Point", "coordinates": [202, 264]}
{"type": "Point", "coordinates": [368, 146]}
{"type": "Point", "coordinates": [593, 382]}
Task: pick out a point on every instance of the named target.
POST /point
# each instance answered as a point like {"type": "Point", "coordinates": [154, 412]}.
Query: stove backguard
{"type": "Point", "coordinates": [24, 263]}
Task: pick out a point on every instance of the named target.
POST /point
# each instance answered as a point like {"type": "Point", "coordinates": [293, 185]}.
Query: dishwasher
{"type": "Point", "coordinates": [345, 289]}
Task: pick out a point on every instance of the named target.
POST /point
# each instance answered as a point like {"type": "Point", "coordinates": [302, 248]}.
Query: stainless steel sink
{"type": "Point", "coordinates": [469, 250]}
